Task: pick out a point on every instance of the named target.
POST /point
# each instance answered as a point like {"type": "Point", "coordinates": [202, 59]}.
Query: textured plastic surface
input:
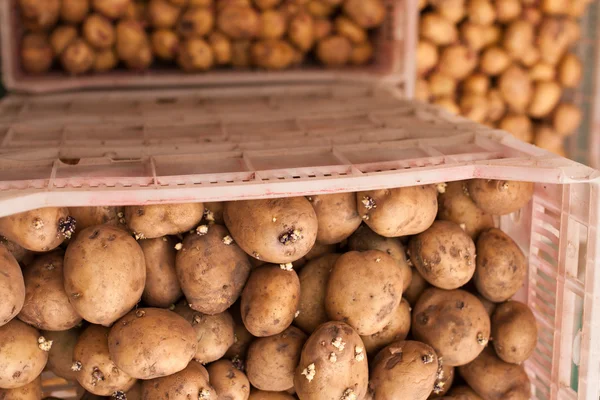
{"type": "Point", "coordinates": [227, 144]}
{"type": "Point", "coordinates": [394, 57]}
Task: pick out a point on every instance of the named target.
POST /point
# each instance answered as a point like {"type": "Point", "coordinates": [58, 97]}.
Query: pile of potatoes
{"type": "Point", "coordinates": [386, 294]}
{"type": "Point", "coordinates": [504, 63]}
{"type": "Point", "coordinates": [198, 35]}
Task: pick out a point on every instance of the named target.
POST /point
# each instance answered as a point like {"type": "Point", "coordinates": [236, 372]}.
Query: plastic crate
{"type": "Point", "coordinates": [142, 147]}
{"type": "Point", "coordinates": [395, 43]}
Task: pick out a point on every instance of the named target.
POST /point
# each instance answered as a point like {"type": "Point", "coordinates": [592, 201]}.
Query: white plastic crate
{"type": "Point", "coordinates": [114, 148]}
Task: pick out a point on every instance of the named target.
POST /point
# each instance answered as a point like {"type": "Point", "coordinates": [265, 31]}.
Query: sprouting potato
{"type": "Point", "coordinates": [437, 29]}
{"type": "Point", "coordinates": [494, 61]}
{"type": "Point", "coordinates": [36, 53]}
{"type": "Point", "coordinates": [427, 56]}
{"type": "Point", "coordinates": [165, 44]}
{"type": "Point", "coordinates": [481, 12]}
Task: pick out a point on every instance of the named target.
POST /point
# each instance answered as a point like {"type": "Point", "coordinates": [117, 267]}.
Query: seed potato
{"type": "Point", "coordinates": [162, 285]}
{"type": "Point", "coordinates": [405, 369]}
{"type": "Point", "coordinates": [270, 300]}
{"type": "Point", "coordinates": [313, 287]}
{"type": "Point", "coordinates": [242, 338]}
{"type": "Point", "coordinates": [21, 358]}
{"type": "Point", "coordinates": [271, 361]}
{"type": "Point", "coordinates": [337, 216]}
{"type": "Point", "coordinates": [397, 329]}
{"type": "Point", "coordinates": [443, 381]}
{"type": "Point", "coordinates": [38, 230]}
{"type": "Point", "coordinates": [31, 391]}
{"type": "Point", "coordinates": [158, 220]}
{"type": "Point", "coordinates": [256, 394]}
{"type": "Point", "coordinates": [96, 372]}
{"type": "Point", "coordinates": [453, 322]}
{"type": "Point", "coordinates": [332, 365]}
{"type": "Point", "coordinates": [12, 287]}
{"type": "Point", "coordinates": [60, 356]}
{"type": "Point", "coordinates": [500, 197]}
{"type": "Point", "coordinates": [94, 215]}
{"type": "Point", "coordinates": [514, 330]}
{"type": "Point", "coordinates": [398, 212]}
{"type": "Point", "coordinates": [149, 343]}
{"type": "Point", "coordinates": [47, 304]}
{"type": "Point", "coordinates": [417, 286]}
{"type": "Point", "coordinates": [190, 383]}
{"type": "Point", "coordinates": [228, 382]}
{"type": "Point", "coordinates": [364, 290]}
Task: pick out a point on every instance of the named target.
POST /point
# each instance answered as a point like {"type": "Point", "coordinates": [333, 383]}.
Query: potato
{"type": "Point", "coordinates": [496, 105]}
{"type": "Point", "coordinates": [417, 286]}
{"type": "Point", "coordinates": [240, 53]}
{"type": "Point", "coordinates": [519, 126]}
{"type": "Point", "coordinates": [60, 356]}
{"type": "Point", "coordinates": [481, 12]}
{"type": "Point", "coordinates": [163, 15]}
{"type": "Point", "coordinates": [494, 61]}
{"type": "Point", "coordinates": [437, 29]}
{"type": "Point", "coordinates": [46, 302]}
{"type": "Point", "coordinates": [22, 358]}
{"type": "Point", "coordinates": [501, 266]}
{"type": "Point", "coordinates": [313, 287]}
{"type": "Point", "coordinates": [38, 230]}
{"type": "Point", "coordinates": [222, 53]}
{"type": "Point", "coordinates": [165, 44]}
{"type": "Point", "coordinates": [104, 273]}
{"type": "Point", "coordinates": [546, 96]}
{"type": "Point", "coordinates": [195, 55]}
{"type": "Point", "coordinates": [271, 361]}
{"type": "Point", "coordinates": [74, 11]}
{"type": "Point", "coordinates": [215, 333]}
{"type": "Point", "coordinates": [98, 31]}
{"type": "Point", "coordinates": [448, 104]}
{"type": "Point", "coordinates": [39, 15]}
{"type": "Point", "coordinates": [422, 90]}
{"type": "Point", "coordinates": [138, 11]}
{"type": "Point", "coordinates": [492, 378]}
{"type": "Point", "coordinates": [532, 14]}
{"type": "Point", "coordinates": [542, 72]}
{"type": "Point", "coordinates": [443, 381]}
{"type": "Point", "coordinates": [514, 330]}
{"type": "Point", "coordinates": [489, 306]}
{"type": "Point", "coordinates": [194, 22]}
{"type": "Point", "coordinates": [452, 10]}
{"type": "Point", "coordinates": [239, 22]}
{"type": "Point", "coordinates": [364, 290]}
{"type": "Point", "coordinates": [555, 7]}
{"type": "Point", "coordinates": [530, 57]}
{"type": "Point", "coordinates": [472, 35]}
{"type": "Point", "coordinates": [321, 29]}
{"type": "Point", "coordinates": [462, 393]}
{"type": "Point", "coordinates": [36, 53]}
{"type": "Point", "coordinates": [474, 107]}
{"type": "Point", "coordinates": [12, 287]}
{"type": "Point", "coordinates": [301, 31]}
{"type": "Point", "coordinates": [396, 330]}
{"type": "Point", "coordinates": [212, 273]}
{"type": "Point", "coordinates": [334, 51]}
{"type": "Point", "coordinates": [507, 10]}
{"type": "Point", "coordinates": [133, 45]}
{"type": "Point", "coordinates": [362, 53]}
{"type": "Point", "coordinates": [23, 256]}
{"type": "Point", "coordinates": [518, 38]}
{"type": "Point", "coordinates": [270, 300]}
{"type": "Point", "coordinates": [365, 239]}
{"type": "Point", "coordinates": [477, 83]}
{"type": "Point", "coordinates": [105, 60]}
{"type": "Point", "coordinates": [427, 56]}
{"type": "Point", "coordinates": [516, 88]}
{"type": "Point", "coordinates": [398, 212]}
{"type": "Point", "coordinates": [256, 394]}
{"type": "Point", "coordinates": [228, 381]}
{"type": "Point", "coordinates": [78, 58]}
{"type": "Point", "coordinates": [546, 138]}
{"type": "Point", "coordinates": [272, 54]}
{"type": "Point", "coordinates": [266, 4]}
{"type": "Point", "coordinates": [346, 27]}
{"type": "Point", "coordinates": [318, 8]}
{"type": "Point", "coordinates": [31, 391]}
{"type": "Point", "coordinates": [492, 35]}
{"type": "Point", "coordinates": [441, 85]}
{"type": "Point", "coordinates": [95, 215]}
{"type": "Point", "coordinates": [337, 216]}
{"type": "Point", "coordinates": [500, 197]}
{"type": "Point", "coordinates": [457, 61]}
{"type": "Point", "coordinates": [453, 322]}
{"type": "Point", "coordinates": [444, 255]}
{"type": "Point", "coordinates": [566, 119]}
{"type": "Point", "coordinates": [553, 39]}
{"type": "Point", "coordinates": [190, 383]}
{"type": "Point", "coordinates": [404, 368]}
{"type": "Point", "coordinates": [332, 365]}
{"type": "Point", "coordinates": [272, 24]}
{"type": "Point", "coordinates": [243, 338]}
{"type": "Point", "coordinates": [366, 13]}
{"type": "Point", "coordinates": [96, 372]}
{"type": "Point", "coordinates": [153, 221]}
{"type": "Point", "coordinates": [61, 37]}
{"type": "Point", "coordinates": [162, 286]}
{"type": "Point", "coordinates": [570, 71]}
{"type": "Point", "coordinates": [112, 9]}
{"type": "Point", "coordinates": [274, 230]}
{"type": "Point", "coordinates": [163, 340]}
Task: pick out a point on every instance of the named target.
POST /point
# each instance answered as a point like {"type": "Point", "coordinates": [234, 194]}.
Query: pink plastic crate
{"type": "Point", "coordinates": [109, 148]}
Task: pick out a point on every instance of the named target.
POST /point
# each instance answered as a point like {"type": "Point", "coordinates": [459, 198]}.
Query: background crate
{"type": "Point", "coordinates": [394, 62]}
{"type": "Point", "coordinates": [212, 145]}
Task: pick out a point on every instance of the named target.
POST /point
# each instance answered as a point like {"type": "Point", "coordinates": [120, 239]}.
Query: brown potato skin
{"type": "Point", "coordinates": [398, 329]}
{"type": "Point", "coordinates": [456, 206]}
{"type": "Point", "coordinates": [162, 286]}
{"type": "Point", "coordinates": [494, 379]}
{"type": "Point", "coordinates": [453, 322]}
{"type": "Point", "coordinates": [313, 288]}
{"type": "Point", "coordinates": [366, 13]}
{"type": "Point", "coordinates": [443, 381]}
{"type": "Point", "coordinates": [251, 225]}
{"type": "Point", "coordinates": [78, 58]}
{"type": "Point", "coordinates": [22, 360]}
{"type": "Point", "coordinates": [515, 332]}
{"type": "Point", "coordinates": [337, 216]}
{"type": "Point", "coordinates": [238, 22]}
{"type": "Point", "coordinates": [12, 286]}
{"type": "Point", "coordinates": [418, 284]}
{"type": "Point", "coordinates": [183, 385]}
{"type": "Point", "coordinates": [365, 239]}
{"type": "Point", "coordinates": [35, 230]}
{"type": "Point", "coordinates": [105, 273]}
{"type": "Point", "coordinates": [111, 8]}
{"type": "Point", "coordinates": [332, 379]}
{"type": "Point", "coordinates": [60, 356]}
{"type": "Point", "coordinates": [364, 292]}
{"type": "Point", "coordinates": [271, 361]}
{"type": "Point", "coordinates": [140, 335]}
{"type": "Point", "coordinates": [99, 374]}
{"type": "Point", "coordinates": [244, 338]}
{"type": "Point", "coordinates": [133, 45]}
{"type": "Point", "coordinates": [31, 391]}
{"type": "Point", "coordinates": [270, 300]}
{"type": "Point", "coordinates": [405, 368]}
{"type": "Point", "coordinates": [216, 208]}
{"type": "Point", "coordinates": [262, 395]}
{"type": "Point", "coordinates": [60, 38]}
{"type": "Point", "coordinates": [399, 212]}
{"type": "Point", "coordinates": [159, 220]}
{"type": "Point", "coordinates": [501, 266]}
{"type": "Point", "coordinates": [215, 333]}
{"type": "Point", "coordinates": [334, 51]}
{"type": "Point", "coordinates": [500, 197]}
{"type": "Point", "coordinates": [211, 273]}
{"type": "Point", "coordinates": [74, 11]}
{"type": "Point", "coordinates": [47, 304]}
{"type": "Point", "coordinates": [301, 31]}
{"type": "Point", "coordinates": [22, 255]}
{"type": "Point", "coordinates": [444, 255]}
{"type": "Point", "coordinates": [94, 215]}
{"type": "Point", "coordinates": [98, 31]}
{"type": "Point", "coordinates": [229, 382]}
{"type": "Point", "coordinates": [462, 393]}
